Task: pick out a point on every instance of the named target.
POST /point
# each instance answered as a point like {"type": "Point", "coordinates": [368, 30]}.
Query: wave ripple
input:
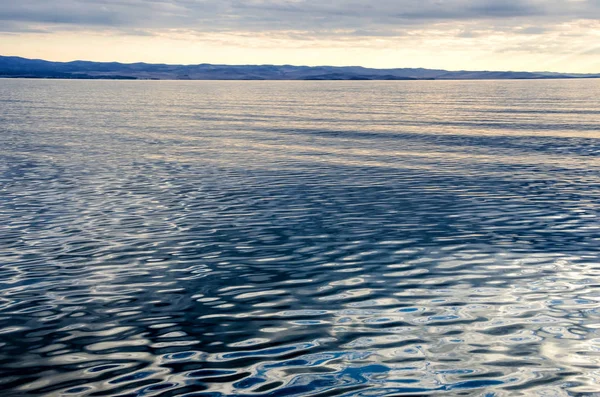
{"type": "Point", "coordinates": [216, 239]}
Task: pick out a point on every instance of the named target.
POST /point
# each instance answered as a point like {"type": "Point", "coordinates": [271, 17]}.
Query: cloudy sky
{"type": "Point", "coordinates": [532, 35]}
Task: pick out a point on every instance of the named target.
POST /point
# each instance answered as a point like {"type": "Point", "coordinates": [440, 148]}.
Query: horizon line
{"type": "Point", "coordinates": [289, 64]}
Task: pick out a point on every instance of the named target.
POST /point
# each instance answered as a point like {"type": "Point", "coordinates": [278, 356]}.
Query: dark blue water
{"type": "Point", "coordinates": [299, 238]}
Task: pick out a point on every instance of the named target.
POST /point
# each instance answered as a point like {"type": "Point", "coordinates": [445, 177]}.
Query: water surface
{"type": "Point", "coordinates": [216, 239]}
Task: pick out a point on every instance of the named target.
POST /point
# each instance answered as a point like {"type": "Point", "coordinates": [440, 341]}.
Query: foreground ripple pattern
{"type": "Point", "coordinates": [214, 239]}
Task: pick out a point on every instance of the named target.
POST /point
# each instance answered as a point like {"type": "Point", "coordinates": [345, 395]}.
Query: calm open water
{"type": "Point", "coordinates": [299, 238]}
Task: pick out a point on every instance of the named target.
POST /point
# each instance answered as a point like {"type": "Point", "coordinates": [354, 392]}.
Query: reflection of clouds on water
{"type": "Point", "coordinates": [239, 248]}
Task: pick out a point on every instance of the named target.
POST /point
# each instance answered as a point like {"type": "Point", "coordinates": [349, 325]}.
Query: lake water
{"type": "Point", "coordinates": [321, 239]}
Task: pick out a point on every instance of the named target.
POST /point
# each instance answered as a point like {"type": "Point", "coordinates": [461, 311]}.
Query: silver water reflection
{"type": "Point", "coordinates": [299, 238]}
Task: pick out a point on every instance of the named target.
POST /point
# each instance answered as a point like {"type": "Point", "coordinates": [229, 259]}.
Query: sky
{"type": "Point", "coordinates": [523, 35]}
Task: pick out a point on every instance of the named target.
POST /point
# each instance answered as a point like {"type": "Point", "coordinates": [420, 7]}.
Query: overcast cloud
{"type": "Point", "coordinates": [309, 16]}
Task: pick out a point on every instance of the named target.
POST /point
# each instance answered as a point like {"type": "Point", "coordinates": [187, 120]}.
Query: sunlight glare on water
{"type": "Point", "coordinates": [214, 239]}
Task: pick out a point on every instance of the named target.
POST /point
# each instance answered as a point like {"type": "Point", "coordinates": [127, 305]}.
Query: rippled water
{"type": "Point", "coordinates": [299, 238]}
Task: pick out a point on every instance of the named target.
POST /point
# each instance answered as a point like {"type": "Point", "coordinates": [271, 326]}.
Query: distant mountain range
{"type": "Point", "coordinates": [18, 67]}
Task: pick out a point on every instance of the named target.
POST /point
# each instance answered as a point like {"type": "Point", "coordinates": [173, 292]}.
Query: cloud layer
{"type": "Point", "coordinates": [372, 17]}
